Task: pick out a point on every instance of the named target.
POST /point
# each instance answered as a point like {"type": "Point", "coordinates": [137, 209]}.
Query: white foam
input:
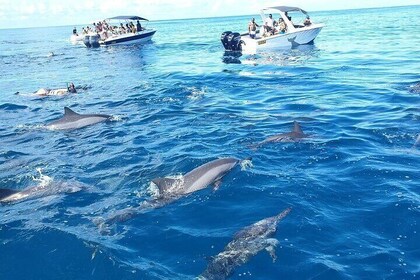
{"type": "Point", "coordinates": [196, 93]}
{"type": "Point", "coordinates": [245, 164]}
{"type": "Point", "coordinates": [43, 180]}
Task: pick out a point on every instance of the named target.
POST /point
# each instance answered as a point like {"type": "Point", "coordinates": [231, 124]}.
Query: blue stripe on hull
{"type": "Point", "coordinates": [127, 39]}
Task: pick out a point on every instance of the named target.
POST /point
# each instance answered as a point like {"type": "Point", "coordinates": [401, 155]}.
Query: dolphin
{"type": "Point", "coordinates": [11, 195]}
{"type": "Point", "coordinates": [73, 120]}
{"type": "Point", "coordinates": [172, 189]}
{"type": "Point", "coordinates": [245, 244]}
{"type": "Point", "coordinates": [197, 179]}
{"type": "Point", "coordinates": [295, 135]}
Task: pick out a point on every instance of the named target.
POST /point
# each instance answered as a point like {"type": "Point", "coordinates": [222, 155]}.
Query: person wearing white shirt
{"type": "Point", "coordinates": [269, 24]}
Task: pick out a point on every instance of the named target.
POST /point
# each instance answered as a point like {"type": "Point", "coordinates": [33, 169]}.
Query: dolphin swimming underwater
{"type": "Point", "coordinates": [245, 244]}
{"type": "Point", "coordinates": [295, 135]}
{"type": "Point", "coordinates": [73, 120]}
{"type": "Point", "coordinates": [10, 195]}
{"type": "Point", "coordinates": [172, 189]}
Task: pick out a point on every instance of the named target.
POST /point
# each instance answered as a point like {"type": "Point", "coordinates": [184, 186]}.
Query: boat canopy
{"type": "Point", "coordinates": [286, 9]}
{"type": "Point", "coordinates": [127, 18]}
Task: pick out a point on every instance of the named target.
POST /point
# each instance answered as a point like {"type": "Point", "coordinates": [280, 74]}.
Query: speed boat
{"type": "Point", "coordinates": [291, 36]}
{"type": "Point", "coordinates": [114, 31]}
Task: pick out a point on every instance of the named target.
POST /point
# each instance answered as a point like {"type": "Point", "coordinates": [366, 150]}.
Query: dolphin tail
{"type": "Point", "coordinates": [7, 192]}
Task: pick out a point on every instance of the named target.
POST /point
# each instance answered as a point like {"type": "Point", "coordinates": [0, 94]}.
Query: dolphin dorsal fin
{"type": "Point", "coordinates": [7, 192]}
{"type": "Point", "coordinates": [296, 127]}
{"type": "Point", "coordinates": [164, 184]}
{"type": "Point", "coordinates": [69, 112]}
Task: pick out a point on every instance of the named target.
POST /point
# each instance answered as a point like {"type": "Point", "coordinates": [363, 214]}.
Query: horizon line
{"type": "Point", "coordinates": [195, 18]}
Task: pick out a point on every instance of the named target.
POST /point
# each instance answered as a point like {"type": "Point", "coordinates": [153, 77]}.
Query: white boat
{"type": "Point", "coordinates": [115, 31]}
{"type": "Point", "coordinates": [295, 34]}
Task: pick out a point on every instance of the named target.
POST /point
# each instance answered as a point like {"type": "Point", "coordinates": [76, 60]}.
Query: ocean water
{"type": "Point", "coordinates": [179, 102]}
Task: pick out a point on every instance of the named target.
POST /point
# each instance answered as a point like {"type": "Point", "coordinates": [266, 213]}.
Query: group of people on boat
{"type": "Point", "coordinates": [272, 27]}
{"type": "Point", "coordinates": [105, 30]}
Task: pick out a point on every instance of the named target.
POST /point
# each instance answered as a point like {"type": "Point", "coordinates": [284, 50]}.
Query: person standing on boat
{"type": "Point", "coordinates": [252, 28]}
{"type": "Point", "coordinates": [75, 31]}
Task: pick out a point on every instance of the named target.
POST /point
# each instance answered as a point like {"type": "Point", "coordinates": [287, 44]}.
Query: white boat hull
{"type": "Point", "coordinates": [94, 40]}
{"type": "Point", "coordinates": [76, 39]}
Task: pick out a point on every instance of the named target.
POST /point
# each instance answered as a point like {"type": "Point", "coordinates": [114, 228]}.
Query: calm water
{"type": "Point", "coordinates": [179, 103]}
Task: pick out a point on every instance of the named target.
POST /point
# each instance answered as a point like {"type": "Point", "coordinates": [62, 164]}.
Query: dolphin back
{"type": "Point", "coordinates": [70, 114]}
{"type": "Point", "coordinates": [73, 120]}
{"type": "Point", "coordinates": [6, 192]}
{"type": "Point", "coordinates": [208, 173]}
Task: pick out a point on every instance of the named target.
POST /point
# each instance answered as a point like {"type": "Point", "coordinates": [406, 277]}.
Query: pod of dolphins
{"type": "Point", "coordinates": [246, 243]}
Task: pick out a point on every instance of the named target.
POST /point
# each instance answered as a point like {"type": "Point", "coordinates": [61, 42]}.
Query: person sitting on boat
{"type": "Point", "coordinates": [252, 28]}
{"type": "Point", "coordinates": [281, 26]}
{"type": "Point", "coordinates": [138, 26]}
{"type": "Point", "coordinates": [127, 28]}
{"type": "Point", "coordinates": [122, 29]}
{"type": "Point", "coordinates": [307, 21]}
{"type": "Point", "coordinates": [269, 25]}
{"type": "Point", "coordinates": [133, 28]}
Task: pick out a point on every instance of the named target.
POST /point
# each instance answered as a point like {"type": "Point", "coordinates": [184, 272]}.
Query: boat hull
{"type": "Point", "coordinates": [141, 37]}
{"type": "Point", "coordinates": [76, 39]}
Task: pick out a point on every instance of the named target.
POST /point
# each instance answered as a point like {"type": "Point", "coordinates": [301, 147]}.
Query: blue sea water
{"type": "Point", "coordinates": [179, 102]}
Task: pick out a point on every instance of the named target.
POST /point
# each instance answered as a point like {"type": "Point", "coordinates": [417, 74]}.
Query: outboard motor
{"type": "Point", "coordinates": [224, 39]}
{"type": "Point", "coordinates": [94, 40]}
{"type": "Point", "coordinates": [234, 42]}
{"type": "Point", "coordinates": [86, 41]}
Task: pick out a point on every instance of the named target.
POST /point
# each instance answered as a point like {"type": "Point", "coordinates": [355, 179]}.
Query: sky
{"type": "Point", "coordinates": [36, 13]}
